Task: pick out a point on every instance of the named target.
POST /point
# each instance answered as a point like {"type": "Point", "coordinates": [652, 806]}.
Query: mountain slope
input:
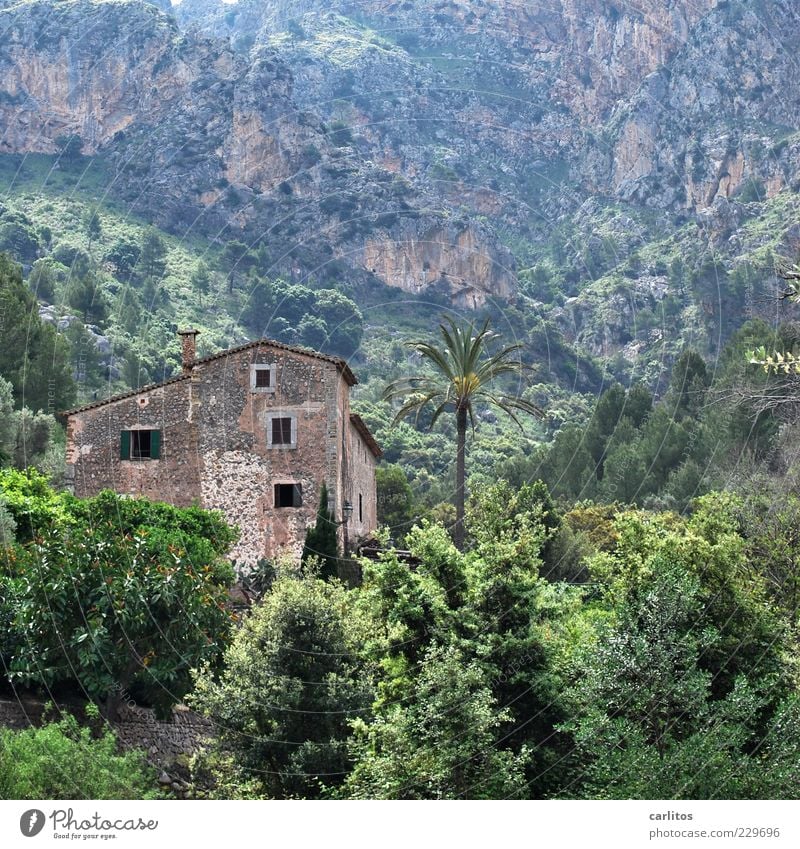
{"type": "Point", "coordinates": [617, 170]}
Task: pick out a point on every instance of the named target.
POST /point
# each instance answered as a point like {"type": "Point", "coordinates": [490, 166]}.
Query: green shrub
{"type": "Point", "coordinates": [61, 760]}
{"type": "Point", "coordinates": [114, 593]}
{"type": "Point", "coordinates": [291, 680]}
{"type": "Point", "coordinates": [120, 611]}
{"type": "Point", "coordinates": [30, 501]}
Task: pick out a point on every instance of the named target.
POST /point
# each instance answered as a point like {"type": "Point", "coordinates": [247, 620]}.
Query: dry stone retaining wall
{"type": "Point", "coordinates": [137, 727]}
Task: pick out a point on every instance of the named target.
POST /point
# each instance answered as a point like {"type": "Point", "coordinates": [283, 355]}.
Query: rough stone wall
{"type": "Point", "coordinates": [93, 446]}
{"type": "Point", "coordinates": [164, 742]}
{"type": "Point", "coordinates": [20, 714]}
{"type": "Point", "coordinates": [362, 483]}
{"type": "Point", "coordinates": [136, 728]}
{"type": "Point", "coordinates": [239, 467]}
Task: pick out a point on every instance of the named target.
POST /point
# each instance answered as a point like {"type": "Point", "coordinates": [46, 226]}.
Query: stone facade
{"type": "Point", "coordinates": [253, 432]}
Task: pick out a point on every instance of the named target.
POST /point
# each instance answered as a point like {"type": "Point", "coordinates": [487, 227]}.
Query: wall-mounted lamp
{"type": "Point", "coordinates": [347, 512]}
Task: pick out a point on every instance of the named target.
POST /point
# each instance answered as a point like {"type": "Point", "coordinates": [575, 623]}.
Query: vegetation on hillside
{"type": "Point", "coordinates": [666, 672]}
{"type": "Point", "coordinates": [640, 645]}
{"type": "Point", "coordinates": [606, 605]}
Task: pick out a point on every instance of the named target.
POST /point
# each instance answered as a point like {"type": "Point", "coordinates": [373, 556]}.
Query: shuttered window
{"type": "Point", "coordinates": [140, 445]}
{"type": "Point", "coordinates": [281, 431]}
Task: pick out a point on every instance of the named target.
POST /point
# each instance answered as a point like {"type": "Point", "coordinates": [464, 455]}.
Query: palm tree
{"type": "Point", "coordinates": [465, 372]}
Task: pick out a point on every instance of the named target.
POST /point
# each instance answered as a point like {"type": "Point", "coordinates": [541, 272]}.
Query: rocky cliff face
{"type": "Point", "coordinates": [56, 82]}
{"type": "Point", "coordinates": [449, 258]}
{"type": "Point", "coordinates": [408, 141]}
{"type": "Point", "coordinates": [638, 101]}
{"type": "Point", "coordinates": [591, 52]}
{"type": "Point", "coordinates": [199, 136]}
{"type": "Point", "coordinates": [708, 123]}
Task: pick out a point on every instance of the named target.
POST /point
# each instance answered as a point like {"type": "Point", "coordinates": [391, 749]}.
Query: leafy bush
{"type": "Point", "coordinates": [31, 502]}
{"type": "Point", "coordinates": [11, 638]}
{"type": "Point", "coordinates": [200, 529]}
{"type": "Point", "coordinates": [444, 745]}
{"type": "Point", "coordinates": [20, 241]}
{"type": "Point", "coordinates": [115, 593]}
{"type": "Point", "coordinates": [61, 760]}
{"type": "Point", "coordinates": [291, 679]}
{"type": "Point", "coordinates": [120, 611]}
{"type": "Point", "coordinates": [124, 256]}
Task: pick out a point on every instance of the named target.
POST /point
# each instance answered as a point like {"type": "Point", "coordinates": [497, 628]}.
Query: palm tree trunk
{"type": "Point", "coordinates": [461, 425]}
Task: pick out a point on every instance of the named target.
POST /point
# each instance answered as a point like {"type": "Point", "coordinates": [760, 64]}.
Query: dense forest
{"type": "Point", "coordinates": [604, 652]}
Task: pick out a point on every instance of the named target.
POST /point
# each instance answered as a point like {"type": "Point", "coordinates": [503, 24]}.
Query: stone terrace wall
{"type": "Point", "coordinates": [137, 727]}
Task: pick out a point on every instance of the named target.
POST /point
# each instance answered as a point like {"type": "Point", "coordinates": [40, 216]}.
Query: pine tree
{"type": "Point", "coordinates": [321, 540]}
{"type": "Point", "coordinates": [34, 357]}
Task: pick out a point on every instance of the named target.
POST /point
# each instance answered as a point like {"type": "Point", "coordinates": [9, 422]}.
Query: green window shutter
{"type": "Point", "coordinates": [125, 445]}
{"type": "Point", "coordinates": [155, 444]}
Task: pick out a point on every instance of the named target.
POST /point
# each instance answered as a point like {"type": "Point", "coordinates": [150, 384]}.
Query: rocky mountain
{"type": "Point", "coordinates": [613, 93]}
{"type": "Point", "coordinates": [200, 137]}
{"type": "Point", "coordinates": [560, 152]}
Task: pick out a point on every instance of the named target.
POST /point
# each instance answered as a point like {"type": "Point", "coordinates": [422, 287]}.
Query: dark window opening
{"type": "Point", "coordinates": [140, 445]}
{"type": "Point", "coordinates": [360, 507]}
{"type": "Point", "coordinates": [288, 495]}
{"type": "Point", "coordinates": [282, 431]}
{"type": "Point", "coordinates": [263, 378]}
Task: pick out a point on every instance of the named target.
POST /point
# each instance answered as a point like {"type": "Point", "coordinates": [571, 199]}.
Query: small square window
{"type": "Point", "coordinates": [288, 495]}
{"type": "Point", "coordinates": [262, 378]}
{"type": "Point", "coordinates": [281, 430]}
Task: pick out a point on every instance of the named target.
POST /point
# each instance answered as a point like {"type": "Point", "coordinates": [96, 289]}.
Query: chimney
{"type": "Point", "coordinates": [187, 349]}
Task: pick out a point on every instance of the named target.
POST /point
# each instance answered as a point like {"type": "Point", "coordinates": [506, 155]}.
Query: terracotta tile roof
{"type": "Point", "coordinates": [340, 364]}
{"type": "Point", "coordinates": [358, 424]}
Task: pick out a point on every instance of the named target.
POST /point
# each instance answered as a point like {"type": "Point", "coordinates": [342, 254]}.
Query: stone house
{"type": "Point", "coordinates": [252, 431]}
